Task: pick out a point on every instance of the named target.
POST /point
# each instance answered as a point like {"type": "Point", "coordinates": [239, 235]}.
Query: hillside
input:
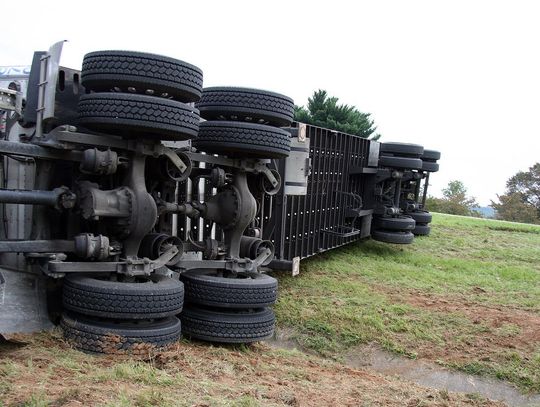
{"type": "Point", "coordinates": [468, 298]}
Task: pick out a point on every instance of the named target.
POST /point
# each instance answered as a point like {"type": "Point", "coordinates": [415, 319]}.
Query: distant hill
{"type": "Point", "coordinates": [486, 211]}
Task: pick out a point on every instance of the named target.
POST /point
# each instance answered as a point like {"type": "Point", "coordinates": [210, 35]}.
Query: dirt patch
{"type": "Point", "coordinates": [507, 327]}
{"type": "Point", "coordinates": [435, 376]}
{"type": "Point", "coordinates": [201, 375]}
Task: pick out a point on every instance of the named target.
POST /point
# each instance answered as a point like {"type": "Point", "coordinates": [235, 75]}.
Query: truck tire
{"type": "Point", "coordinates": [119, 337]}
{"type": "Point", "coordinates": [205, 287]}
{"type": "Point", "coordinates": [405, 163]}
{"type": "Point", "coordinates": [400, 223]}
{"type": "Point", "coordinates": [156, 296]}
{"type": "Point", "coordinates": [228, 327]}
{"type": "Point", "coordinates": [142, 73]}
{"type": "Point", "coordinates": [127, 114]}
{"type": "Point", "coordinates": [243, 140]}
{"type": "Point", "coordinates": [392, 237]}
{"type": "Point", "coordinates": [420, 216]}
{"type": "Point", "coordinates": [431, 155]}
{"type": "Point", "coordinates": [421, 230]}
{"type": "Point", "coordinates": [244, 104]}
{"type": "Point", "coordinates": [402, 149]}
{"type": "Point", "coordinates": [429, 166]}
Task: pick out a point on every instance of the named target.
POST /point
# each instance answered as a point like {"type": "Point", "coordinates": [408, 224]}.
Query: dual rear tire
{"type": "Point", "coordinates": [423, 219]}
{"type": "Point", "coordinates": [401, 229]}
{"type": "Point", "coordinates": [140, 95]}
{"type": "Point", "coordinates": [402, 156]}
{"type": "Point", "coordinates": [106, 316]}
{"type": "Point", "coordinates": [397, 230]}
{"type": "Point", "coordinates": [243, 122]}
{"type": "Point", "coordinates": [429, 160]}
{"type": "Point", "coordinates": [228, 310]}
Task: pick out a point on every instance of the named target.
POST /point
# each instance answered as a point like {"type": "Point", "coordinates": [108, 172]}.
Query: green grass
{"type": "Point", "coordinates": [361, 293]}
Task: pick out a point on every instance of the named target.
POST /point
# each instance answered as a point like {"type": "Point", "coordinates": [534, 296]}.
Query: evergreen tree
{"type": "Point", "coordinates": [325, 111]}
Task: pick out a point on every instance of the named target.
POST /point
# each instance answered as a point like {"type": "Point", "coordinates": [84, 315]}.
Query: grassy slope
{"type": "Point", "coordinates": [468, 296]}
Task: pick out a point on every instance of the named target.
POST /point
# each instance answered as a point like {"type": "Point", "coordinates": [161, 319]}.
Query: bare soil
{"type": "Point", "coordinates": [524, 337]}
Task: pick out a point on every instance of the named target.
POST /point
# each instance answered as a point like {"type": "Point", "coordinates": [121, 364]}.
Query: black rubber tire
{"type": "Point", "coordinates": [392, 236]}
{"type": "Point", "coordinates": [139, 71]}
{"type": "Point", "coordinates": [125, 337]}
{"type": "Point", "coordinates": [245, 104]}
{"type": "Point", "coordinates": [400, 223]}
{"type": "Point", "coordinates": [420, 216]}
{"type": "Point", "coordinates": [243, 139]}
{"type": "Point", "coordinates": [228, 327]}
{"type": "Point", "coordinates": [429, 166]}
{"type": "Point", "coordinates": [400, 162]}
{"type": "Point", "coordinates": [158, 297]}
{"type": "Point", "coordinates": [205, 287]}
{"type": "Point", "coordinates": [128, 114]}
{"type": "Point", "coordinates": [402, 149]}
{"type": "Point", "coordinates": [421, 230]}
{"type": "Point", "coordinates": [431, 155]}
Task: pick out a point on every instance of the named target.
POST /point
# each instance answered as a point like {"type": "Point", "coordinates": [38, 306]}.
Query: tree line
{"type": "Point", "coordinates": [519, 203]}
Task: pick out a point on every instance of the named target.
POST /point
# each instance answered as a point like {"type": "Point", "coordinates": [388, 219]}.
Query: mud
{"type": "Point", "coordinates": [427, 374]}
{"type": "Point", "coordinates": [437, 377]}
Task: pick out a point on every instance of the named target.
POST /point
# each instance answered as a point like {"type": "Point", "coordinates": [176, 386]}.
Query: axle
{"type": "Point", "coordinates": [61, 198]}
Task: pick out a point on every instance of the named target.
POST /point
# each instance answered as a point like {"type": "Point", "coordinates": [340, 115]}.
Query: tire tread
{"type": "Point", "coordinates": [243, 139]}
{"type": "Point", "coordinates": [104, 69]}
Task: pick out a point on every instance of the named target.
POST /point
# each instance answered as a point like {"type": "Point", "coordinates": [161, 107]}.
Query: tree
{"type": "Point", "coordinates": [454, 201]}
{"type": "Point", "coordinates": [521, 201]}
{"type": "Point", "coordinates": [325, 111]}
{"type": "Point", "coordinates": [456, 192]}
{"type": "Point", "coordinates": [513, 208]}
{"type": "Point", "coordinates": [527, 185]}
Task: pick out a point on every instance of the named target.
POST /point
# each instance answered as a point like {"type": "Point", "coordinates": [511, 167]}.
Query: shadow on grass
{"type": "Point", "coordinates": [376, 248]}
{"type": "Point", "coordinates": [233, 347]}
{"type": "Point", "coordinates": [514, 229]}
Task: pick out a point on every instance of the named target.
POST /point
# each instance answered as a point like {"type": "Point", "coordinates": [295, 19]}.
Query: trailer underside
{"type": "Point", "coordinates": [114, 186]}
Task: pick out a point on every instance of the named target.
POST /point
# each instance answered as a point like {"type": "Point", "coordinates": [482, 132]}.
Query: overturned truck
{"type": "Point", "coordinates": [138, 206]}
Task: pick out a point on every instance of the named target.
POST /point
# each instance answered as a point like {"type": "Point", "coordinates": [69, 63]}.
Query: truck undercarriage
{"type": "Point", "coordinates": [138, 206]}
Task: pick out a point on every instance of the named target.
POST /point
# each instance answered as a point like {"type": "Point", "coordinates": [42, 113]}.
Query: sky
{"type": "Point", "coordinates": [461, 77]}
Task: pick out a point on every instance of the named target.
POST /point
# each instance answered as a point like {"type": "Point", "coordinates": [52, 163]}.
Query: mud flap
{"type": "Point", "coordinates": [23, 303]}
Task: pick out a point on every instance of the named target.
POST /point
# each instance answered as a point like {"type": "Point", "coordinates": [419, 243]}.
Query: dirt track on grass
{"type": "Point", "coordinates": [525, 337]}
{"type": "Point", "coordinates": [194, 374]}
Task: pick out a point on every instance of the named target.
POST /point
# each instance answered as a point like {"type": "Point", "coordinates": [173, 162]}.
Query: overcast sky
{"type": "Point", "coordinates": [462, 77]}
